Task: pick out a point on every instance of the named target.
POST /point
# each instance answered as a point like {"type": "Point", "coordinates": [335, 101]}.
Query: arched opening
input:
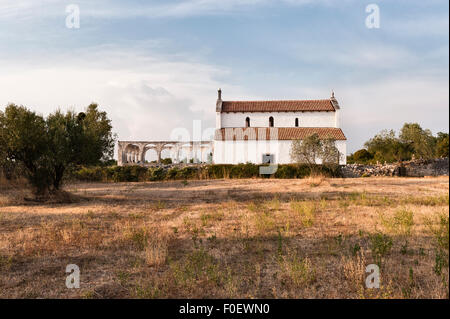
{"type": "Point", "coordinates": [247, 122]}
{"type": "Point", "coordinates": [131, 154]}
{"type": "Point", "coordinates": [188, 153]}
{"type": "Point", "coordinates": [296, 122]}
{"type": "Point", "coordinates": [271, 121]}
{"type": "Point", "coordinates": [166, 156]}
{"type": "Point", "coordinates": [150, 154]}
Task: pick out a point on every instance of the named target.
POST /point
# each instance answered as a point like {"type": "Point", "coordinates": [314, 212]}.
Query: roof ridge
{"type": "Point", "coordinates": [246, 101]}
{"type": "Point", "coordinates": [282, 127]}
{"type": "Point", "coordinates": [278, 106]}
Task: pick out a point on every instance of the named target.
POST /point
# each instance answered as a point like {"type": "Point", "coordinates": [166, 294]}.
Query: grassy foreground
{"type": "Point", "coordinates": [247, 238]}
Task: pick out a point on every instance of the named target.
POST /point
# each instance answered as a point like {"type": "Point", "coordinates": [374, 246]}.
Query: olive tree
{"type": "Point", "coordinates": [23, 140]}
{"type": "Point", "coordinates": [47, 147]}
{"type": "Point", "coordinates": [442, 144]}
{"type": "Point", "coordinates": [422, 141]}
{"type": "Point", "coordinates": [312, 149]}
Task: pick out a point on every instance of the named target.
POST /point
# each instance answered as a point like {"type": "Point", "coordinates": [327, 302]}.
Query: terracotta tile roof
{"type": "Point", "coordinates": [277, 133]}
{"type": "Point", "coordinates": [277, 106]}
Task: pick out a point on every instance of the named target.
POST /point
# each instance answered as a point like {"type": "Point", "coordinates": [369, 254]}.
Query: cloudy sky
{"type": "Point", "coordinates": [155, 66]}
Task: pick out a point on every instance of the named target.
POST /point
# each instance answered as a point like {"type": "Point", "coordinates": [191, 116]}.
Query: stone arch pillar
{"type": "Point", "coordinates": [119, 154]}
{"type": "Point", "coordinates": [176, 152]}
{"type": "Point", "coordinates": [159, 148]}
{"type": "Point", "coordinates": [142, 153]}
{"type": "Point", "coordinates": [190, 152]}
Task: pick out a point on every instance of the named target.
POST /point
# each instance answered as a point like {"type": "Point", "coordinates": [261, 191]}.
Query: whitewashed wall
{"type": "Point", "coordinates": [235, 152]}
{"type": "Point", "coordinates": [281, 119]}
{"type": "Point", "coordinates": [342, 148]}
{"type": "Point", "coordinates": [337, 117]}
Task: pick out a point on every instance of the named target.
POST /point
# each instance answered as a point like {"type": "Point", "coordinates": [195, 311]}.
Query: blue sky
{"type": "Point", "coordinates": [156, 65]}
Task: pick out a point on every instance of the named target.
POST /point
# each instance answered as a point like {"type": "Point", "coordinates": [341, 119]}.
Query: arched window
{"type": "Point", "coordinates": [296, 122]}
{"type": "Point", "coordinates": [271, 121]}
{"type": "Point", "coordinates": [247, 122]}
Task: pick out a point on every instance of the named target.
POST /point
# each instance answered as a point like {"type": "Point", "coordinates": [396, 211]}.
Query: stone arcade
{"type": "Point", "coordinates": [133, 152]}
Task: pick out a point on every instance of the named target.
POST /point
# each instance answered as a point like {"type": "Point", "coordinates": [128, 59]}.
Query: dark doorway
{"type": "Point", "coordinates": [268, 159]}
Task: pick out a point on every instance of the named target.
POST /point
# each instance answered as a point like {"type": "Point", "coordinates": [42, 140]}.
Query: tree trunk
{"type": "Point", "coordinates": [59, 173]}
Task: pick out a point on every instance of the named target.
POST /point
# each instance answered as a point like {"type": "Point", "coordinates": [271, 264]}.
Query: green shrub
{"type": "Point", "coordinates": [219, 170]}
{"type": "Point", "coordinates": [156, 174]}
{"type": "Point", "coordinates": [306, 212]}
{"type": "Point", "coordinates": [90, 174]}
{"type": "Point", "coordinates": [247, 170]}
{"type": "Point", "coordinates": [400, 224]}
{"type": "Point", "coordinates": [288, 171]}
{"type": "Point", "coordinates": [172, 173]}
{"type": "Point", "coordinates": [380, 245]}
{"type": "Point", "coordinates": [216, 171]}
{"type": "Point", "coordinates": [188, 172]}
{"type": "Point", "coordinates": [361, 156]}
{"type": "Point", "coordinates": [127, 173]}
{"type": "Point", "coordinates": [441, 242]}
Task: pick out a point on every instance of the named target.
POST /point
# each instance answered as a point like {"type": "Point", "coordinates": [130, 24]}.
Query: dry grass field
{"type": "Point", "coordinates": [254, 238]}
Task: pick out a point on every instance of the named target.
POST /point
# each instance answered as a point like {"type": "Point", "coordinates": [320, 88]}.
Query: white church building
{"type": "Point", "coordinates": [263, 131]}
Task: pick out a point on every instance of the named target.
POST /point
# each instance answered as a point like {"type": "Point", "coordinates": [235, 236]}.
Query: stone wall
{"type": "Point", "coordinates": [416, 168]}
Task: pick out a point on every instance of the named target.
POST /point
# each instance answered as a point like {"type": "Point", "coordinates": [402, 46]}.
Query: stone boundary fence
{"type": "Point", "coordinates": [414, 168]}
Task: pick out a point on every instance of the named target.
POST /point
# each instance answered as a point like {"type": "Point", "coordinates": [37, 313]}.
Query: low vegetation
{"type": "Point", "coordinates": [243, 238]}
{"type": "Point", "coordinates": [139, 173]}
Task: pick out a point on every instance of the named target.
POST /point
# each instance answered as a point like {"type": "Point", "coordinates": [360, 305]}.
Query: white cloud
{"type": "Point", "coordinates": [114, 9]}
{"type": "Point", "coordinates": [356, 54]}
{"type": "Point", "coordinates": [423, 25]}
{"type": "Point", "coordinates": [145, 95]}
{"type": "Point", "coordinates": [13, 9]}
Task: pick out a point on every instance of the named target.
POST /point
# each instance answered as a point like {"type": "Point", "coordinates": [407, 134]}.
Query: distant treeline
{"type": "Point", "coordinates": [139, 173]}
{"type": "Point", "coordinates": [411, 142]}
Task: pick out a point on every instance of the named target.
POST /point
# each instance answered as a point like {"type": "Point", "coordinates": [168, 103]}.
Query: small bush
{"type": "Point", "coordinates": [188, 172]}
{"type": "Point", "coordinates": [296, 271]}
{"type": "Point", "coordinates": [400, 224]}
{"type": "Point", "coordinates": [361, 156]}
{"type": "Point", "coordinates": [287, 171]}
{"type": "Point", "coordinates": [441, 242]}
{"type": "Point", "coordinates": [156, 250]}
{"type": "Point", "coordinates": [90, 174]}
{"type": "Point", "coordinates": [244, 171]}
{"type": "Point", "coordinates": [156, 174]}
{"type": "Point", "coordinates": [380, 245]}
{"type": "Point", "coordinates": [306, 211]}
{"type": "Point", "coordinates": [166, 161]}
{"type": "Point", "coordinates": [196, 268]}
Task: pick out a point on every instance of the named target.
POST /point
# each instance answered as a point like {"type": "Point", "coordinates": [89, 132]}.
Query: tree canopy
{"type": "Point", "coordinates": [412, 141]}
{"type": "Point", "coordinates": [312, 149]}
{"type": "Point", "coordinates": [47, 147]}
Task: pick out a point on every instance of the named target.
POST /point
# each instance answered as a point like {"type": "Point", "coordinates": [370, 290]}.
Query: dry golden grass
{"type": "Point", "coordinates": [256, 238]}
